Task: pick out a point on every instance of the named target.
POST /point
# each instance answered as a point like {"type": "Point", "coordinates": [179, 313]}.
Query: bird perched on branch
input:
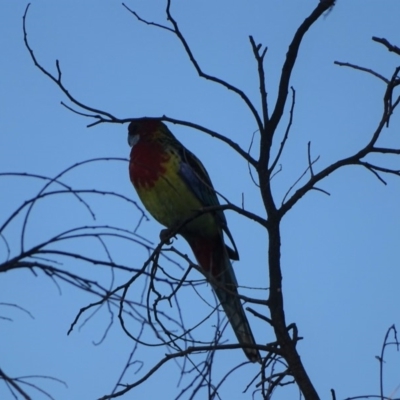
{"type": "Point", "coordinates": [175, 188]}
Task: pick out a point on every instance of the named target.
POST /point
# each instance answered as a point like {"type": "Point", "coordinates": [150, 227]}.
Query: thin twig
{"type": "Point", "coordinates": [359, 68]}
{"type": "Point", "coordinates": [386, 43]}
{"type": "Point", "coordinates": [102, 115]}
{"type": "Point", "coordinates": [261, 75]}
{"type": "Point", "coordinates": [285, 137]}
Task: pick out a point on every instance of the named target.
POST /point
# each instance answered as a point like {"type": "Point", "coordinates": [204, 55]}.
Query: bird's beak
{"type": "Point", "coordinates": [132, 139]}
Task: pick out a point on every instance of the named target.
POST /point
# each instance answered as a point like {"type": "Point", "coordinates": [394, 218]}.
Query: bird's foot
{"type": "Point", "coordinates": [165, 236]}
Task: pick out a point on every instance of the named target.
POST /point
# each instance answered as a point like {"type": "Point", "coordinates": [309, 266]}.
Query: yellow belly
{"type": "Point", "coordinates": [171, 202]}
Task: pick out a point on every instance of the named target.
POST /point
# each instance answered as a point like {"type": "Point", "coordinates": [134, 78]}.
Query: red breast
{"type": "Point", "coordinates": [147, 163]}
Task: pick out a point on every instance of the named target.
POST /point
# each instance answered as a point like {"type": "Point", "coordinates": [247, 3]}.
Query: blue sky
{"type": "Point", "coordinates": [340, 253]}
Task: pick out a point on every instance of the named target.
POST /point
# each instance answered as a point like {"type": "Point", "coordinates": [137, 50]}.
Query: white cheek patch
{"type": "Point", "coordinates": [133, 139]}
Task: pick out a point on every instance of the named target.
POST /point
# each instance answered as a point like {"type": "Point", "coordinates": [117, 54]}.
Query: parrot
{"type": "Point", "coordinates": [175, 187]}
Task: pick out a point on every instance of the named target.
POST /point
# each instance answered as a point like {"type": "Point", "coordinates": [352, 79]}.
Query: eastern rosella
{"type": "Point", "coordinates": [174, 187]}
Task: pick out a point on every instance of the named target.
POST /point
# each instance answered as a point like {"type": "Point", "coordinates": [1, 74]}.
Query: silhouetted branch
{"type": "Point", "coordinates": [359, 68]}
{"type": "Point", "coordinates": [355, 159]}
{"type": "Point", "coordinates": [385, 344]}
{"type": "Point", "coordinates": [261, 75]}
{"type": "Point", "coordinates": [202, 74]}
{"type": "Point", "coordinates": [225, 139]}
{"type": "Point", "coordinates": [101, 116]}
{"type": "Point", "coordinates": [148, 22]}
{"type": "Point", "coordinates": [188, 351]}
{"type": "Point", "coordinates": [193, 60]}
{"type": "Point", "coordinates": [18, 308]}
{"type": "Point", "coordinates": [291, 57]}
{"type": "Point", "coordinates": [286, 135]}
{"type": "Point", "coordinates": [299, 179]}
{"type": "Point", "coordinates": [15, 384]}
{"type": "Point", "coordinates": [275, 301]}
{"type": "Point", "coordinates": [386, 43]}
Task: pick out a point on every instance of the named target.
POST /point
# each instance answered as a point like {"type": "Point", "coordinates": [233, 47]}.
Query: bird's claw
{"type": "Point", "coordinates": [165, 236]}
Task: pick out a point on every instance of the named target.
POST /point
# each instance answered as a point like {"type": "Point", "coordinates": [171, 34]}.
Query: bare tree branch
{"type": "Point", "coordinates": [386, 43]}
{"type": "Point", "coordinates": [359, 68]}
{"type": "Point", "coordinates": [286, 135]}
{"type": "Point", "coordinates": [355, 159]}
{"type": "Point", "coordinates": [261, 75]}
{"type": "Point", "coordinates": [102, 116]}
{"type": "Point", "coordinates": [291, 56]}
{"type": "Point", "coordinates": [196, 65]}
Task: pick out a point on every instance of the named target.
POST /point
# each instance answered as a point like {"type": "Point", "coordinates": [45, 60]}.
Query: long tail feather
{"type": "Point", "coordinates": [226, 290]}
{"type": "Point", "coordinates": [213, 258]}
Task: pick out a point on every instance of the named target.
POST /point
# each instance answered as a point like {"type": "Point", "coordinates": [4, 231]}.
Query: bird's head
{"type": "Point", "coordinates": [144, 128]}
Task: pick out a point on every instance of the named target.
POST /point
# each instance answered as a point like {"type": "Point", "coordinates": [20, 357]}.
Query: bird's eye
{"type": "Point", "coordinates": [132, 128]}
